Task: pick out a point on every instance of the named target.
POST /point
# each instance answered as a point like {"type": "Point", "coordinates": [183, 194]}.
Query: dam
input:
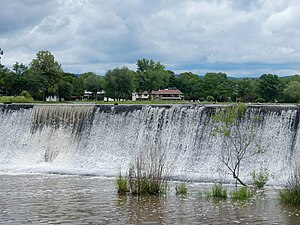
{"type": "Point", "coordinates": [102, 140]}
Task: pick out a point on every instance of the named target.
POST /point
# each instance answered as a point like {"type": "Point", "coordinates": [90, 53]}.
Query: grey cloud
{"type": "Point", "coordinates": [83, 33]}
{"type": "Point", "coordinates": [18, 15]}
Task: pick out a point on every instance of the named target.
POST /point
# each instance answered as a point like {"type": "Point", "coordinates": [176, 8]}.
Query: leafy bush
{"type": "Point", "coordinates": [26, 94]}
{"type": "Point", "coordinates": [291, 193]}
{"type": "Point", "coordinates": [181, 189]}
{"type": "Point", "coordinates": [122, 184]}
{"type": "Point", "coordinates": [210, 98]}
{"type": "Point", "coordinates": [241, 194]}
{"type": "Point", "coordinates": [260, 179]}
{"type": "Point", "coordinates": [16, 99]}
{"type": "Point", "coordinates": [227, 99]}
{"type": "Point", "coordinates": [239, 99]}
{"type": "Point", "coordinates": [260, 100]}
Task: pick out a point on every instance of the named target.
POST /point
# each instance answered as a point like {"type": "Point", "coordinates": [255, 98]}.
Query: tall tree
{"type": "Point", "coordinates": [1, 53]}
{"type": "Point", "coordinates": [173, 81]}
{"type": "Point", "coordinates": [65, 86]}
{"type": "Point", "coordinates": [292, 92]}
{"type": "Point", "coordinates": [78, 87]}
{"type": "Point", "coordinates": [92, 82]}
{"type": "Point", "coordinates": [13, 84]}
{"type": "Point", "coordinates": [119, 83]}
{"type": "Point", "coordinates": [246, 89]}
{"type": "Point", "coordinates": [191, 85]}
{"type": "Point", "coordinates": [19, 68]}
{"type": "Point", "coordinates": [217, 85]}
{"type": "Point", "coordinates": [269, 87]}
{"type": "Point", "coordinates": [46, 65]}
{"type": "Point", "coordinates": [64, 90]}
{"type": "Point", "coordinates": [150, 76]}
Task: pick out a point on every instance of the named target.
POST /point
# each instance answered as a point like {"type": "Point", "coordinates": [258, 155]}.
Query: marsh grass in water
{"type": "Point", "coordinates": [181, 189]}
{"type": "Point", "coordinates": [148, 173]}
{"type": "Point", "coordinates": [122, 184]}
{"type": "Point", "coordinates": [291, 193]}
{"type": "Point", "coordinates": [260, 179]}
{"type": "Point", "coordinates": [242, 193]}
{"type": "Point", "coordinates": [217, 192]}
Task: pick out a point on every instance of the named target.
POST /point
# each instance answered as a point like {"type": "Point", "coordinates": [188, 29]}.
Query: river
{"type": "Point", "coordinates": [64, 199]}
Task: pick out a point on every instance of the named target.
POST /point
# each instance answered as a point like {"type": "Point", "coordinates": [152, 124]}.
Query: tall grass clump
{"type": "Point", "coordinates": [291, 193]}
{"type": "Point", "coordinates": [122, 184]}
{"type": "Point", "coordinates": [181, 189]}
{"type": "Point", "coordinates": [218, 192]}
{"type": "Point", "coordinates": [148, 173]}
{"type": "Point", "coordinates": [241, 194]}
{"type": "Point", "coordinates": [260, 179]}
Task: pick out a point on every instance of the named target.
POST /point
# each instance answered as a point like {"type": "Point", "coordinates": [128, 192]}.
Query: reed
{"type": "Point", "coordinates": [291, 193]}
{"type": "Point", "coordinates": [218, 192]}
{"type": "Point", "coordinates": [181, 189]}
{"type": "Point", "coordinates": [242, 193]}
{"type": "Point", "coordinates": [122, 184]}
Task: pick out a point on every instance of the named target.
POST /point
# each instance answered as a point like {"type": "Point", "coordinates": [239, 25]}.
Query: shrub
{"type": "Point", "coordinates": [26, 94]}
{"type": "Point", "coordinates": [227, 99]}
{"type": "Point", "coordinates": [260, 100]}
{"type": "Point", "coordinates": [239, 99]}
{"type": "Point", "coordinates": [260, 179]}
{"type": "Point", "coordinates": [210, 98]}
{"type": "Point", "coordinates": [15, 99]}
{"type": "Point", "coordinates": [241, 194]}
{"type": "Point", "coordinates": [181, 189]}
{"type": "Point", "coordinates": [291, 193]}
{"type": "Point", "coordinates": [122, 184]}
{"type": "Point", "coordinates": [218, 192]}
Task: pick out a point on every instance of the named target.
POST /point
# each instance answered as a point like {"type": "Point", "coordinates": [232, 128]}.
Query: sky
{"type": "Point", "coordinates": [243, 38]}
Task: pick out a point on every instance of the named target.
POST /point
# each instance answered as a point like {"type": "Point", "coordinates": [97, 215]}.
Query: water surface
{"type": "Point", "coordinates": [58, 199]}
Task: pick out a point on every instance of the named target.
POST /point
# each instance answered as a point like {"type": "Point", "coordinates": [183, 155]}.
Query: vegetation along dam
{"type": "Point", "coordinates": [104, 139]}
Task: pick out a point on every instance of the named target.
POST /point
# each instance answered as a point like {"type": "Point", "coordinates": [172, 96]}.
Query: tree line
{"type": "Point", "coordinates": [45, 77]}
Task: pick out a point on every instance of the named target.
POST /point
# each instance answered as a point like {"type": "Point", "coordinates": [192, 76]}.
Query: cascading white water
{"type": "Point", "coordinates": [103, 140]}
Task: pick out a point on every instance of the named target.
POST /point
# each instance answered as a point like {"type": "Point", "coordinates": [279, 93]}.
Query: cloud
{"type": "Point", "coordinates": [95, 35]}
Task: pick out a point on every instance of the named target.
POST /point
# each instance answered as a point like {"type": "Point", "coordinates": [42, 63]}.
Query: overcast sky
{"type": "Point", "coordinates": [239, 37]}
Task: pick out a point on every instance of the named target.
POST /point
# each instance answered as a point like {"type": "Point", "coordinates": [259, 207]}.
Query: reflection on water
{"type": "Point", "coordinates": [56, 199]}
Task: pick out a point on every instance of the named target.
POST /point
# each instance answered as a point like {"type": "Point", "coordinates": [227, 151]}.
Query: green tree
{"type": "Point", "coordinates": [1, 53]}
{"type": "Point", "coordinates": [64, 90]}
{"type": "Point", "coordinates": [150, 76]}
{"type": "Point", "coordinates": [191, 85]}
{"type": "Point", "coordinates": [173, 82]}
{"type": "Point", "coordinates": [46, 65]}
{"type": "Point", "coordinates": [3, 72]}
{"type": "Point", "coordinates": [13, 84]}
{"type": "Point", "coordinates": [20, 69]}
{"type": "Point", "coordinates": [292, 92]}
{"type": "Point", "coordinates": [246, 89]}
{"type": "Point", "coordinates": [35, 84]}
{"type": "Point", "coordinates": [92, 82]}
{"type": "Point", "coordinates": [269, 87]}
{"type": "Point", "coordinates": [217, 85]}
{"type": "Point", "coordinates": [119, 83]}
{"type": "Point", "coordinates": [78, 86]}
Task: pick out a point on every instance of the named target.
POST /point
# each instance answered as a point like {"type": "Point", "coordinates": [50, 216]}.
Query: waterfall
{"type": "Point", "coordinates": [105, 139]}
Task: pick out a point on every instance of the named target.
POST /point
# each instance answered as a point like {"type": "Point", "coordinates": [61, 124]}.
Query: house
{"type": "Point", "coordinates": [166, 94]}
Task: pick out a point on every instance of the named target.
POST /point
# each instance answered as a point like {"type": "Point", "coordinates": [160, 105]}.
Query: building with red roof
{"type": "Point", "coordinates": [166, 94]}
